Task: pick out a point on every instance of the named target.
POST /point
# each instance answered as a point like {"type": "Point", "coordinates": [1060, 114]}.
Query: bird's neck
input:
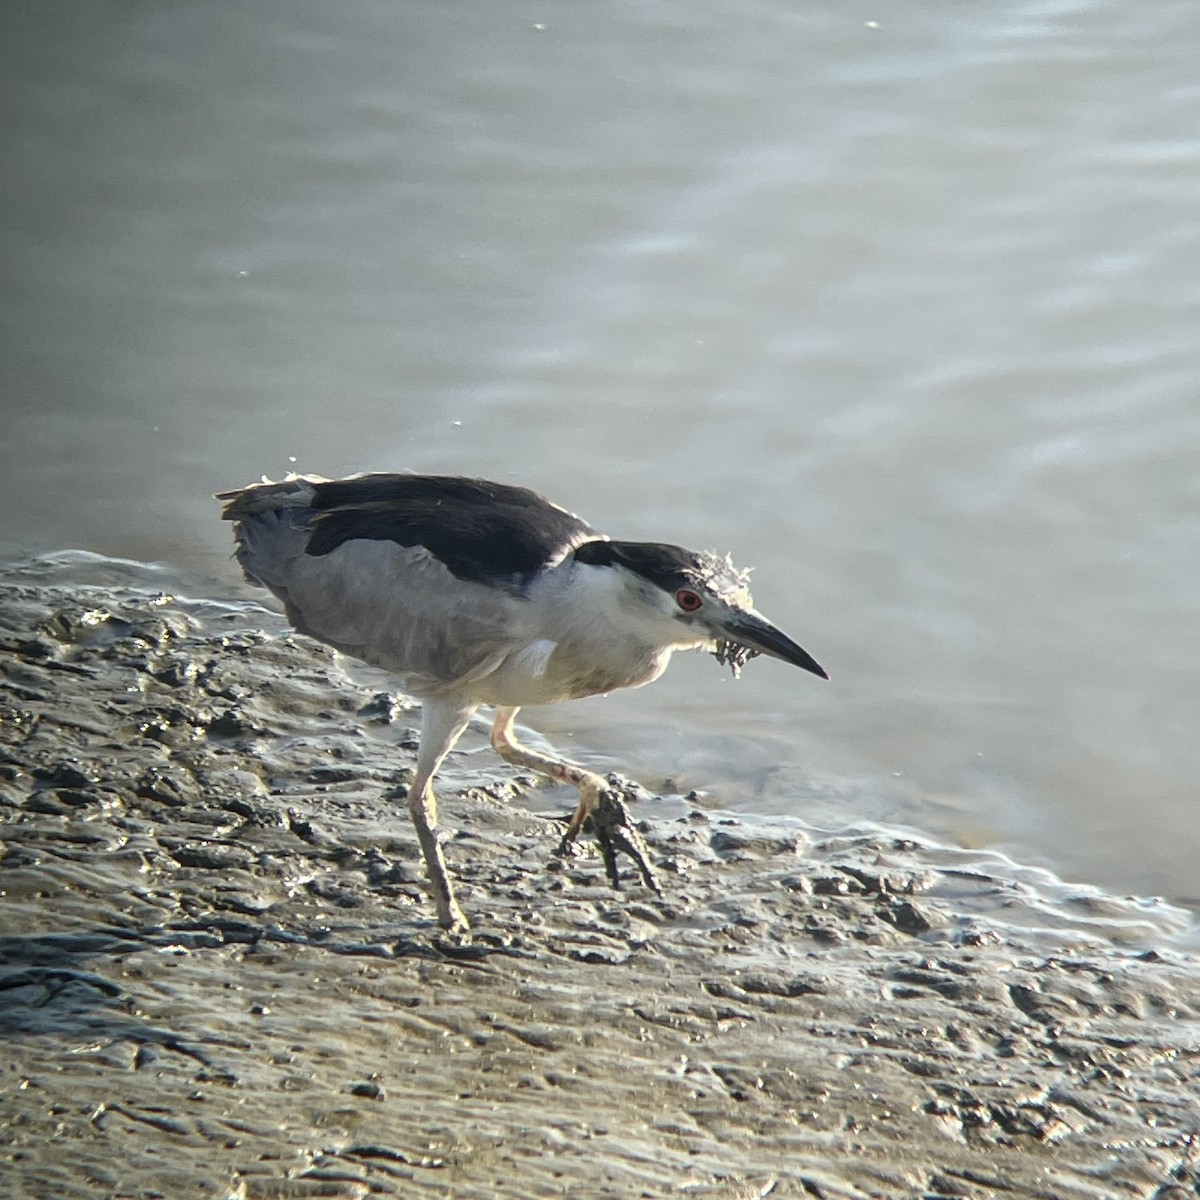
{"type": "Point", "coordinates": [609, 641]}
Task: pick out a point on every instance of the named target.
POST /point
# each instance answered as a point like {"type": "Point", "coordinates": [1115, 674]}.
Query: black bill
{"type": "Point", "coordinates": [752, 634]}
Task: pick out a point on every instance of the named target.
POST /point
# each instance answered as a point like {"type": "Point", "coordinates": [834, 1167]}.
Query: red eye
{"type": "Point", "coordinates": [688, 600]}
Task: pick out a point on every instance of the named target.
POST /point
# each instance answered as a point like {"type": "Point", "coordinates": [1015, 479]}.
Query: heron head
{"type": "Point", "coordinates": [705, 596]}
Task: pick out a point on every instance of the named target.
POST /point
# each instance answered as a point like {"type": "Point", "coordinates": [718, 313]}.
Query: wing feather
{"type": "Point", "coordinates": [482, 531]}
{"type": "Point", "coordinates": [400, 608]}
{"type": "Point", "coordinates": [423, 575]}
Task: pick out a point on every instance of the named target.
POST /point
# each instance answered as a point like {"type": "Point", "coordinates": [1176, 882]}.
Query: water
{"type": "Point", "coordinates": [896, 302]}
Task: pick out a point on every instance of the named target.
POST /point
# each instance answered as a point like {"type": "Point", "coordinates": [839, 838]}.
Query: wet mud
{"type": "Point", "coordinates": [220, 974]}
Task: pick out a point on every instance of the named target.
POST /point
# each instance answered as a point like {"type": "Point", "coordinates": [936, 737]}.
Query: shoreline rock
{"type": "Point", "coordinates": [219, 973]}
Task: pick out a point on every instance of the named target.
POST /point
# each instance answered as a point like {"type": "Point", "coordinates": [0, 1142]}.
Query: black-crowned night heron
{"type": "Point", "coordinates": [483, 593]}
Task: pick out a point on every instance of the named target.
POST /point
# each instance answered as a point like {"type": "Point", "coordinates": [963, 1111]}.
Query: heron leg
{"type": "Point", "coordinates": [600, 805]}
{"type": "Point", "coordinates": [441, 726]}
{"type": "Point", "coordinates": [589, 785]}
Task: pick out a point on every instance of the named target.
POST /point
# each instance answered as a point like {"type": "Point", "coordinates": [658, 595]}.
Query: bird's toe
{"type": "Point", "coordinates": [629, 789]}
{"type": "Point", "coordinates": [616, 834]}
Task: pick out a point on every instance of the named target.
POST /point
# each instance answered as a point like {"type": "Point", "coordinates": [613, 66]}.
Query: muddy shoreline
{"type": "Point", "coordinates": [220, 975]}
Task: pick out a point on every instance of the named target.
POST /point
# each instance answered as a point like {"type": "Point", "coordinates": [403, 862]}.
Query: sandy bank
{"type": "Point", "coordinates": [219, 974]}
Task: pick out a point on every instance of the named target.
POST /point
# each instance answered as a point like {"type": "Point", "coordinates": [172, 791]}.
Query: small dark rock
{"type": "Point", "coordinates": [47, 803]}
{"type": "Point", "coordinates": [334, 893]}
{"type": "Point", "coordinates": [177, 674]}
{"type": "Point", "coordinates": [78, 797]}
{"type": "Point", "coordinates": [210, 856]}
{"type": "Point", "coordinates": [64, 775]}
{"type": "Point", "coordinates": [907, 916]}
{"type": "Point", "coordinates": [383, 707]}
{"type": "Point", "coordinates": [837, 885]}
{"type": "Point", "coordinates": [767, 984]}
{"type": "Point", "coordinates": [261, 814]}
{"type": "Point", "coordinates": [798, 883]}
{"type": "Point", "coordinates": [167, 788]}
{"type": "Point", "coordinates": [231, 723]}
{"type": "Point", "coordinates": [738, 846]}
{"type": "Point", "coordinates": [324, 774]}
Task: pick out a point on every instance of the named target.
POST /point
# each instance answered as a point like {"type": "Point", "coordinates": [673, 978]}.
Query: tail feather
{"type": "Point", "coordinates": [270, 528]}
{"type": "Point", "coordinates": [296, 491]}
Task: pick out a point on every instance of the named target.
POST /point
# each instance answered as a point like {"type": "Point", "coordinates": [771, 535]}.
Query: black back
{"type": "Point", "coordinates": [484, 532]}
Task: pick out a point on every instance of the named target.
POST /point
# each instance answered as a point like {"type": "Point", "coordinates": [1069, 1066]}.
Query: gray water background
{"type": "Point", "coordinates": [896, 301]}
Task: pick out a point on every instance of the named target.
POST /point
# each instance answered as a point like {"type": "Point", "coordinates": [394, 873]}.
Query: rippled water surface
{"type": "Point", "coordinates": [896, 302]}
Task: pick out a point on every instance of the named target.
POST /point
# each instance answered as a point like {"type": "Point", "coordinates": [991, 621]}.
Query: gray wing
{"type": "Point", "coordinates": [399, 608]}
{"type": "Point", "coordinates": [394, 606]}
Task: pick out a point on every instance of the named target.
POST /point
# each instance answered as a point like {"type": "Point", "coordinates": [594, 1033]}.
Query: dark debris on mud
{"type": "Point", "coordinates": [219, 974]}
